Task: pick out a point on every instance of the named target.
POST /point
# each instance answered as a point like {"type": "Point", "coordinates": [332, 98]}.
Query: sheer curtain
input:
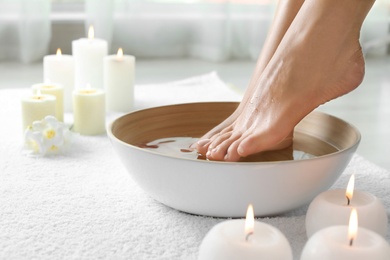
{"type": "Point", "coordinates": [214, 30]}
{"type": "Point", "coordinates": [211, 30]}
{"type": "Point", "coordinates": [25, 29]}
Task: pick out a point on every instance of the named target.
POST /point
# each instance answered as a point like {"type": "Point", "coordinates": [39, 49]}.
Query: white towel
{"type": "Point", "coordinates": [208, 87]}
{"type": "Point", "coordinates": [84, 205]}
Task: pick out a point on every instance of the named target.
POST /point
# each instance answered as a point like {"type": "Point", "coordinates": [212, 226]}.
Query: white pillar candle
{"type": "Point", "coordinates": [347, 243]}
{"type": "Point", "coordinates": [37, 107]}
{"type": "Point", "coordinates": [55, 90]}
{"type": "Point", "coordinates": [88, 56]}
{"type": "Point", "coordinates": [331, 208]}
{"type": "Point", "coordinates": [59, 69]}
{"type": "Point", "coordinates": [119, 81]}
{"type": "Point", "coordinates": [89, 111]}
{"type": "Point", "coordinates": [236, 239]}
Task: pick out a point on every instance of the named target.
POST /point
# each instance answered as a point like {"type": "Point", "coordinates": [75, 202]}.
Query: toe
{"type": "Point", "coordinates": [256, 143]}
{"type": "Point", "coordinates": [250, 145]}
{"type": "Point", "coordinates": [232, 154]}
{"type": "Point", "coordinates": [202, 145]}
{"type": "Point", "coordinates": [216, 151]}
{"type": "Point", "coordinates": [218, 139]}
{"type": "Point", "coordinates": [220, 152]}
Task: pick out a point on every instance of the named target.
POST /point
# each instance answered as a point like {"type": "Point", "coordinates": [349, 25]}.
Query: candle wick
{"type": "Point", "coordinates": [248, 235]}
{"type": "Point", "coordinates": [351, 242]}
{"type": "Point", "coordinates": [348, 201]}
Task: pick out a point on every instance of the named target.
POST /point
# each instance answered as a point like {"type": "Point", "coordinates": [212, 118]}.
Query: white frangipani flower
{"type": "Point", "coordinates": [46, 136]}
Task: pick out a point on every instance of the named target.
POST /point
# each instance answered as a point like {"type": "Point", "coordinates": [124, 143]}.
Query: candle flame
{"type": "Point", "coordinates": [249, 221]}
{"type": "Point", "coordinates": [119, 53]}
{"type": "Point", "coordinates": [59, 53]}
{"type": "Point", "coordinates": [353, 226]}
{"type": "Point", "coordinates": [91, 33]}
{"type": "Point", "coordinates": [37, 93]}
{"type": "Point", "coordinates": [87, 90]}
{"type": "Point", "coordinates": [350, 187]}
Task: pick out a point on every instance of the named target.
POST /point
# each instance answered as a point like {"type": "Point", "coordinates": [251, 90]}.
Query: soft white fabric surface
{"type": "Point", "coordinates": [84, 205]}
{"type": "Point", "coordinates": [207, 87]}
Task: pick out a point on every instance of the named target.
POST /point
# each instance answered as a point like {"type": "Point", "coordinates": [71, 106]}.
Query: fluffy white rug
{"type": "Point", "coordinates": [84, 205]}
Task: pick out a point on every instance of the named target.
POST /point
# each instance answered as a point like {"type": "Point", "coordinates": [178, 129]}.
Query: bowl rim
{"type": "Point", "coordinates": [113, 137]}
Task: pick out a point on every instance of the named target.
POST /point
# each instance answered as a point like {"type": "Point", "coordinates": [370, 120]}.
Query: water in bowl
{"type": "Point", "coordinates": [304, 147]}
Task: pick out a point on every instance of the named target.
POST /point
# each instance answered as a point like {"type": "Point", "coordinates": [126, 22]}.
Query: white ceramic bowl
{"type": "Point", "coordinates": [224, 189]}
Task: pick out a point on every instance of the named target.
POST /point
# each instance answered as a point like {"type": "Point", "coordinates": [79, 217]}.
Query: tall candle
{"type": "Point", "coordinates": [36, 107]}
{"type": "Point", "coordinates": [346, 242]}
{"type": "Point", "coordinates": [55, 90]}
{"type": "Point", "coordinates": [88, 55]}
{"type": "Point", "coordinates": [59, 69]}
{"type": "Point", "coordinates": [333, 207]}
{"type": "Point", "coordinates": [89, 111]}
{"type": "Point", "coordinates": [244, 239]}
{"type": "Point", "coordinates": [119, 81]}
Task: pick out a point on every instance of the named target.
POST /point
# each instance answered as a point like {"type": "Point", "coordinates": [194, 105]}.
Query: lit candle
{"type": "Point", "coordinates": [36, 107]}
{"type": "Point", "coordinates": [59, 68]}
{"type": "Point", "coordinates": [55, 90]}
{"type": "Point", "coordinates": [244, 239]}
{"type": "Point", "coordinates": [89, 111]}
{"type": "Point", "coordinates": [333, 207]}
{"type": "Point", "coordinates": [119, 81]}
{"type": "Point", "coordinates": [88, 55]}
{"type": "Point", "coordinates": [346, 242]}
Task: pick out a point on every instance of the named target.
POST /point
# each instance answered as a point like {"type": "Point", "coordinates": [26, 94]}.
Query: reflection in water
{"type": "Point", "coordinates": [304, 147]}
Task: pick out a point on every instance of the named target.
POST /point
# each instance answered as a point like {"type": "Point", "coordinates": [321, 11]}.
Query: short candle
{"type": "Point", "coordinates": [36, 107]}
{"type": "Point", "coordinates": [89, 111]}
{"type": "Point", "coordinates": [233, 239]}
{"type": "Point", "coordinates": [55, 90]}
{"type": "Point", "coordinates": [347, 243]}
{"type": "Point", "coordinates": [333, 207]}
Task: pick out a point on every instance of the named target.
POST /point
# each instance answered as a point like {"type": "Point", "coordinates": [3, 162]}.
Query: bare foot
{"type": "Point", "coordinates": [284, 15]}
{"type": "Point", "coordinates": [318, 60]}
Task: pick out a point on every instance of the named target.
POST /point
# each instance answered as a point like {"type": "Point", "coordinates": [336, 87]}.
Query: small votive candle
{"type": "Point", "coordinates": [244, 239]}
{"type": "Point", "coordinates": [56, 90]}
{"type": "Point", "coordinates": [347, 243]}
{"type": "Point", "coordinates": [36, 107]}
{"type": "Point", "coordinates": [89, 111]}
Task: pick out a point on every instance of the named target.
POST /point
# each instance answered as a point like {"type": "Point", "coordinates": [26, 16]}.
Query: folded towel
{"type": "Point", "coordinates": [208, 87]}
{"type": "Point", "coordinates": [84, 205]}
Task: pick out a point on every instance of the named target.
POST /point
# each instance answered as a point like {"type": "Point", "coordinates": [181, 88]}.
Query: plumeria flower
{"type": "Point", "coordinates": [45, 137]}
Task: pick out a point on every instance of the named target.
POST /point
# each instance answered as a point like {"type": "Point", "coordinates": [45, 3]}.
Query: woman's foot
{"type": "Point", "coordinates": [318, 60]}
{"type": "Point", "coordinates": [285, 13]}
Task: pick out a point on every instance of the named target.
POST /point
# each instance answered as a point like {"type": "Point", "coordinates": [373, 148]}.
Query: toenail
{"type": "Point", "coordinates": [208, 153]}
{"type": "Point", "coordinates": [203, 142]}
{"type": "Point", "coordinates": [240, 151]}
{"type": "Point", "coordinates": [226, 157]}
